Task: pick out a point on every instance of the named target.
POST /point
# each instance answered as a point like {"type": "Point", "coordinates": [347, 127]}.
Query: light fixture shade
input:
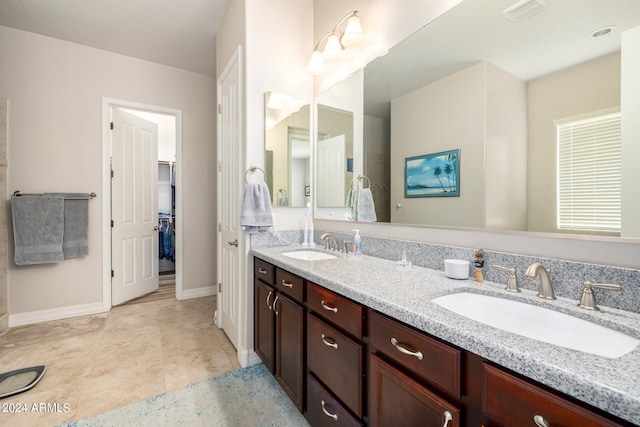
{"type": "Point", "coordinates": [332, 49]}
{"type": "Point", "coordinates": [316, 63]}
{"type": "Point", "coordinates": [353, 33]}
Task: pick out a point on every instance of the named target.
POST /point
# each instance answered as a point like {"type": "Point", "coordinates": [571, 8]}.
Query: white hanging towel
{"type": "Point", "coordinates": [256, 214]}
{"type": "Point", "coordinates": [366, 210]}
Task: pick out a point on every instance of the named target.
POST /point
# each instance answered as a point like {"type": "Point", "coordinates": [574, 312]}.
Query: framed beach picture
{"type": "Point", "coordinates": [432, 175]}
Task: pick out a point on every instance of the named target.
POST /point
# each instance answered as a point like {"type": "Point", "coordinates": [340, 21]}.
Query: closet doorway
{"type": "Point", "coordinates": [165, 245]}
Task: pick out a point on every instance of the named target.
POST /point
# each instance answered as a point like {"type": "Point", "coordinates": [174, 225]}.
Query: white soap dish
{"type": "Point", "coordinates": [456, 268]}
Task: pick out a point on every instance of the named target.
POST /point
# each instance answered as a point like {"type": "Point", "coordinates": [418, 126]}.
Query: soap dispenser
{"type": "Point", "coordinates": [357, 243]}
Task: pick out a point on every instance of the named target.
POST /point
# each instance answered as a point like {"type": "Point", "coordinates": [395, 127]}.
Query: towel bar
{"type": "Point", "coordinates": [19, 193]}
{"type": "Point", "coordinates": [253, 169]}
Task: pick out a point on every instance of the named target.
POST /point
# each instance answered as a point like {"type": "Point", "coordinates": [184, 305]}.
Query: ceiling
{"type": "Point", "coordinates": [177, 33]}
{"type": "Point", "coordinates": [556, 38]}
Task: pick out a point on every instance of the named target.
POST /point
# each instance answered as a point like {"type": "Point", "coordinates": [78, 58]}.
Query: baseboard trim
{"type": "Point", "coordinates": [248, 358]}
{"type": "Point", "coordinates": [4, 321]}
{"type": "Point", "coordinates": [197, 292]}
{"type": "Point", "coordinates": [31, 317]}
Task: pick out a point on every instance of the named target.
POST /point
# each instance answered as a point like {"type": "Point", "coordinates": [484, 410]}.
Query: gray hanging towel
{"type": "Point", "coordinates": [256, 214]}
{"type": "Point", "coordinates": [76, 220]}
{"type": "Point", "coordinates": [38, 228]}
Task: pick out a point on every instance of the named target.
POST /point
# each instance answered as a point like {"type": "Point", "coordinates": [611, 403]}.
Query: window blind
{"type": "Point", "coordinates": [589, 174]}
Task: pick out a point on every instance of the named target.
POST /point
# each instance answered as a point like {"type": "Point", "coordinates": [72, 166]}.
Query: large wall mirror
{"type": "Point", "coordinates": [288, 150]}
{"type": "Point", "coordinates": [493, 89]}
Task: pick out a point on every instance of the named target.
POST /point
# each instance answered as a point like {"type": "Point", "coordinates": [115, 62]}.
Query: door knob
{"type": "Point", "coordinates": [155, 228]}
{"type": "Point", "coordinates": [234, 243]}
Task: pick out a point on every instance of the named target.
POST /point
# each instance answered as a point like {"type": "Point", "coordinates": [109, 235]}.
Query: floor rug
{"type": "Point", "coordinates": [247, 397]}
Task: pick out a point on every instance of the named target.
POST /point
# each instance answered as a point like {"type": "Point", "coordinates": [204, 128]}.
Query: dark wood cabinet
{"type": "Point", "coordinates": [336, 360]}
{"type": "Point", "coordinates": [343, 364]}
{"type": "Point", "coordinates": [325, 410]}
{"type": "Point", "coordinates": [280, 327]}
{"type": "Point", "coordinates": [433, 361]}
{"type": "Point", "coordinates": [290, 347]}
{"type": "Point", "coordinates": [336, 309]}
{"type": "Point", "coordinates": [399, 400]}
{"type": "Point", "coordinates": [511, 401]}
{"type": "Point", "coordinates": [265, 326]}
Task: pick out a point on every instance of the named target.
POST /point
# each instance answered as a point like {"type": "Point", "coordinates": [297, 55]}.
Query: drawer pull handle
{"type": "Point", "coordinates": [268, 298]}
{"type": "Point", "coordinates": [287, 284]}
{"type": "Point", "coordinates": [540, 421]}
{"type": "Point", "coordinates": [401, 349]}
{"type": "Point", "coordinates": [328, 307]}
{"type": "Point", "coordinates": [447, 417]}
{"type": "Point", "coordinates": [327, 413]}
{"type": "Point", "coordinates": [274, 305]}
{"type": "Point", "coordinates": [329, 343]}
{"type": "Point", "coordinates": [262, 270]}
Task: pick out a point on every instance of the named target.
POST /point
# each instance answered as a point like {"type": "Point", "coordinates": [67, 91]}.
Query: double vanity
{"type": "Point", "coordinates": [360, 340]}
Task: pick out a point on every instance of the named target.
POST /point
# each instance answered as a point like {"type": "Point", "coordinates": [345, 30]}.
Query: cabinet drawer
{"type": "Point", "coordinates": [510, 401]}
{"type": "Point", "coordinates": [436, 362]}
{"type": "Point", "coordinates": [264, 271]}
{"type": "Point", "coordinates": [324, 410]}
{"type": "Point", "coordinates": [398, 400]}
{"type": "Point", "coordinates": [337, 361]}
{"type": "Point", "coordinates": [335, 308]}
{"type": "Point", "coordinates": [289, 284]}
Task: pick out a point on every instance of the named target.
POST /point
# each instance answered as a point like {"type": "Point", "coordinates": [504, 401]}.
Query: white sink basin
{"type": "Point", "coordinates": [309, 255]}
{"type": "Point", "coordinates": [540, 324]}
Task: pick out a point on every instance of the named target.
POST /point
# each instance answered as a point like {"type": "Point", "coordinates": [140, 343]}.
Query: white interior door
{"type": "Point", "coordinates": [229, 188]}
{"type": "Point", "coordinates": [134, 206]}
{"type": "Point", "coordinates": [331, 184]}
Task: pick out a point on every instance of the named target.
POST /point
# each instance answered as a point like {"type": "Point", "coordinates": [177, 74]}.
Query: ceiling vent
{"type": "Point", "coordinates": [524, 9]}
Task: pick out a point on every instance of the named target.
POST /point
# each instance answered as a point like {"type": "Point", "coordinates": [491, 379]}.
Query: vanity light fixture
{"type": "Point", "coordinates": [335, 42]}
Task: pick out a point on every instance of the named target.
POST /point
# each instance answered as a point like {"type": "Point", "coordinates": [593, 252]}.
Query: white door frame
{"type": "Point", "coordinates": [107, 104]}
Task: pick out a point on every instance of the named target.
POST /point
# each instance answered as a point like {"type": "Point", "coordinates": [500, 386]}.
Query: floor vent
{"type": "Point", "coordinates": [524, 9]}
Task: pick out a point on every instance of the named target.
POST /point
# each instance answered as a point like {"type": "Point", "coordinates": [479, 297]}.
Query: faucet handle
{"type": "Point", "coordinates": [512, 280]}
{"type": "Point", "coordinates": [588, 298]}
{"type": "Point", "coordinates": [347, 244]}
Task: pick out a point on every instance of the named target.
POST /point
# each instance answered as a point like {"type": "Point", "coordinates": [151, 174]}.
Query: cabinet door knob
{"type": "Point", "coordinates": [274, 305]}
{"type": "Point", "coordinates": [447, 417]}
{"type": "Point", "coordinates": [329, 343]}
{"type": "Point", "coordinates": [269, 297]}
{"type": "Point", "coordinates": [540, 421]}
{"type": "Point", "coordinates": [328, 307]}
{"type": "Point", "coordinates": [287, 284]}
{"type": "Point", "coordinates": [262, 270]}
{"type": "Point", "coordinates": [401, 349]}
{"type": "Point", "coordinates": [327, 413]}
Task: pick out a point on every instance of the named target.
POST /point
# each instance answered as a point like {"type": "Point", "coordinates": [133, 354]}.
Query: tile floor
{"type": "Point", "coordinates": [97, 363]}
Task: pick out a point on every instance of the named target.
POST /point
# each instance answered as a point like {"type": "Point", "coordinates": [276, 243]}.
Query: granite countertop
{"type": "Point", "coordinates": [405, 293]}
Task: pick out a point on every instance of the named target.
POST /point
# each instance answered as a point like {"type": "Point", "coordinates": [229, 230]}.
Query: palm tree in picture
{"type": "Point", "coordinates": [453, 158]}
{"type": "Point", "coordinates": [437, 172]}
{"type": "Point", "coordinates": [448, 169]}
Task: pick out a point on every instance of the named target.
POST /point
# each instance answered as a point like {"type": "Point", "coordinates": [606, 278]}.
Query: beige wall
{"type": "Point", "coordinates": [631, 133]}
{"type": "Point", "coordinates": [481, 111]}
{"type": "Point", "coordinates": [505, 151]}
{"type": "Point", "coordinates": [55, 89]}
{"type": "Point", "coordinates": [445, 115]}
{"type": "Point", "coordinates": [4, 223]}
{"type": "Point", "coordinates": [579, 90]}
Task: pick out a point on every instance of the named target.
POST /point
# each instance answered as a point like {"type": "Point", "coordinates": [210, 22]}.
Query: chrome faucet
{"type": "Point", "coordinates": [330, 241]}
{"type": "Point", "coordinates": [546, 289]}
